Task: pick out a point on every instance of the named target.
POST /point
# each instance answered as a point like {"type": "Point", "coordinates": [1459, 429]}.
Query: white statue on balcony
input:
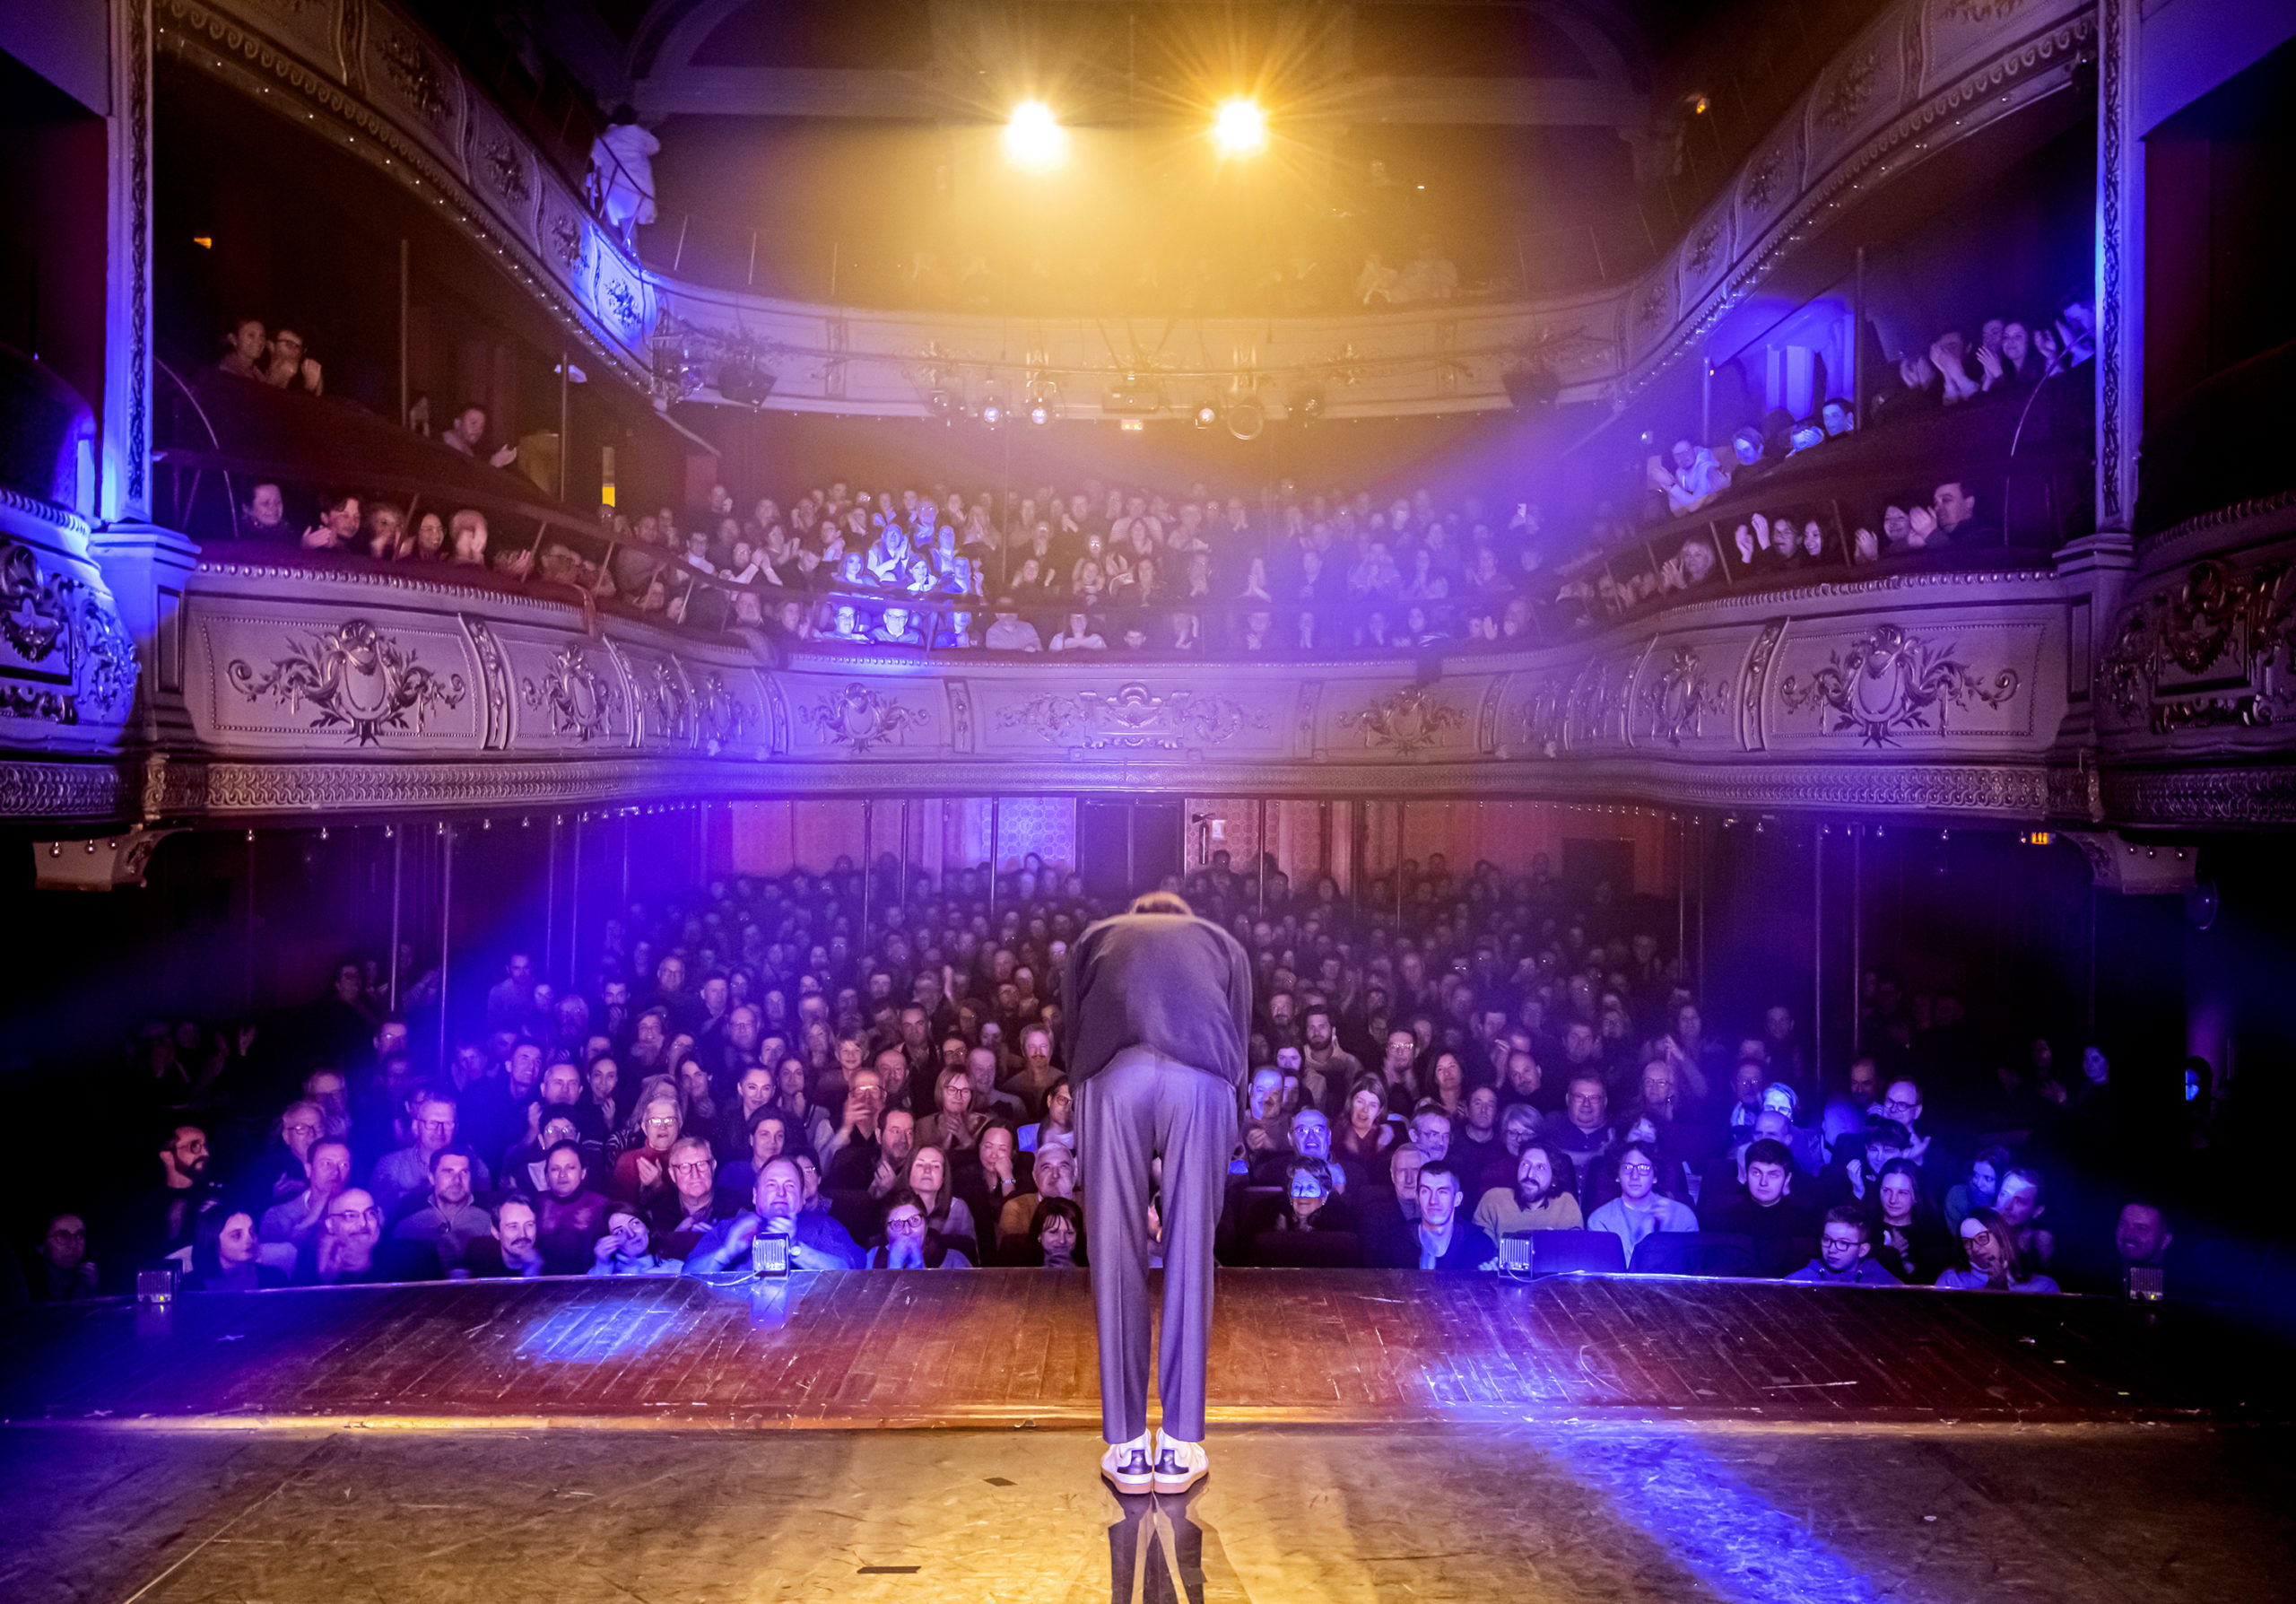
{"type": "Point", "coordinates": [622, 174]}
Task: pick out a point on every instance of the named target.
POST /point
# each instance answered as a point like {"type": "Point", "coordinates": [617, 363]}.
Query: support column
{"type": "Point", "coordinates": [126, 474]}
{"type": "Point", "coordinates": [2120, 267]}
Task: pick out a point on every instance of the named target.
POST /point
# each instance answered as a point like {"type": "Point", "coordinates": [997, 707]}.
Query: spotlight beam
{"type": "Point", "coordinates": [1034, 140]}
{"type": "Point", "coordinates": [1240, 127]}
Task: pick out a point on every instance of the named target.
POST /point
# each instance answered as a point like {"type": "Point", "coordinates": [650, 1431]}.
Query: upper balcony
{"type": "Point", "coordinates": [1923, 79]}
{"type": "Point", "coordinates": [1906, 617]}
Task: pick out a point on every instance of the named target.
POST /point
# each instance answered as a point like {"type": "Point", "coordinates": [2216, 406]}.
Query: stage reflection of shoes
{"type": "Point", "coordinates": [1128, 1465]}
{"type": "Point", "coordinates": [1179, 1465]}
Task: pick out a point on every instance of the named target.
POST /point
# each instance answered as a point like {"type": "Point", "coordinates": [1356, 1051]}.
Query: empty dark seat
{"type": "Point", "coordinates": [1694, 1253]}
{"type": "Point", "coordinates": [1577, 1254]}
{"type": "Point", "coordinates": [1307, 1249]}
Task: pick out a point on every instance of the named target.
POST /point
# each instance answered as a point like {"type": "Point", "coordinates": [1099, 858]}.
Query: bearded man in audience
{"type": "Point", "coordinates": [1543, 1198]}
{"type": "Point", "coordinates": [345, 1252]}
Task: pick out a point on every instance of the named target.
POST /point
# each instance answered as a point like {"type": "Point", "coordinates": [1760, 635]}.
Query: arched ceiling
{"type": "Point", "coordinates": [1519, 63]}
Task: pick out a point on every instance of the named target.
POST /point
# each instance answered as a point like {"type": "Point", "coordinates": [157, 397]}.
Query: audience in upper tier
{"type": "Point", "coordinates": [1140, 568]}
{"type": "Point", "coordinates": [755, 1058]}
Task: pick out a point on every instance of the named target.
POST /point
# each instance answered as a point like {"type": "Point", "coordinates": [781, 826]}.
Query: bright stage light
{"type": "Point", "coordinates": [1033, 139]}
{"type": "Point", "coordinates": [1241, 129]}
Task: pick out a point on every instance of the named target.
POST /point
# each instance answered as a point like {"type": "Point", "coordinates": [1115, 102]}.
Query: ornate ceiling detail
{"type": "Point", "coordinates": [860, 719]}
{"type": "Point", "coordinates": [1890, 684]}
{"type": "Point", "coordinates": [1407, 721]}
{"type": "Point", "coordinates": [355, 678]}
{"type": "Point", "coordinates": [1133, 719]}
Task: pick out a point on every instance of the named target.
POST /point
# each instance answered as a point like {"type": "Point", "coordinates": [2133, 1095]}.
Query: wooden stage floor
{"type": "Point", "coordinates": [1015, 1348]}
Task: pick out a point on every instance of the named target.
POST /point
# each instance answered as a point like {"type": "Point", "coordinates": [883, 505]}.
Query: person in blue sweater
{"type": "Point", "coordinates": [1845, 1247]}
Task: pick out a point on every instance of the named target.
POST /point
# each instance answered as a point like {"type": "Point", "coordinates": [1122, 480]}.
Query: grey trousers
{"type": "Point", "coordinates": [1145, 1105]}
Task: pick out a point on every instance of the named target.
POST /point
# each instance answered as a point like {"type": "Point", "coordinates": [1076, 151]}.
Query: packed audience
{"type": "Point", "coordinates": [2029, 379]}
{"type": "Point", "coordinates": [1165, 570]}
{"type": "Point", "coordinates": [1478, 1073]}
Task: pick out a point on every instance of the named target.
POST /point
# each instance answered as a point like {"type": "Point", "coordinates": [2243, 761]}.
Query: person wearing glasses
{"type": "Point", "coordinates": [681, 1216]}
{"type": "Point", "coordinates": [1641, 1208]}
{"type": "Point", "coordinates": [349, 1231]}
{"type": "Point", "coordinates": [1845, 1245]}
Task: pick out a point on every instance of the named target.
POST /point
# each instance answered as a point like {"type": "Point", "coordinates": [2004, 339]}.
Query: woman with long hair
{"type": "Point", "coordinates": [1994, 1265]}
{"type": "Point", "coordinates": [223, 1255]}
{"type": "Point", "coordinates": [1909, 1236]}
{"type": "Point", "coordinates": [1367, 1135]}
{"type": "Point", "coordinates": [927, 1175]}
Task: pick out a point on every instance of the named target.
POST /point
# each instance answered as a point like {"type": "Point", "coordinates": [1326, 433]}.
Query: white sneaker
{"type": "Point", "coordinates": [1129, 1465]}
{"type": "Point", "coordinates": [1179, 1465]}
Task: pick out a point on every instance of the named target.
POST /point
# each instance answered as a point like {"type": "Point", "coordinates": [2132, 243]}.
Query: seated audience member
{"type": "Point", "coordinates": [1054, 1174]}
{"type": "Point", "coordinates": [514, 1250]}
{"type": "Point", "coordinates": [1844, 1250]}
{"type": "Point", "coordinates": [61, 1270]}
{"type": "Point", "coordinates": [1368, 1135]}
{"type": "Point", "coordinates": [1851, 1178]}
{"type": "Point", "coordinates": [224, 1256]}
{"type": "Point", "coordinates": [447, 1222]}
{"type": "Point", "coordinates": [1980, 1187]}
{"type": "Point", "coordinates": [1845, 1115]}
{"type": "Point", "coordinates": [1995, 1264]}
{"type": "Point", "coordinates": [296, 1221]}
{"type": "Point", "coordinates": [929, 1177]}
{"type": "Point", "coordinates": [1910, 1239]}
{"type": "Point", "coordinates": [167, 1215]}
{"type": "Point", "coordinates": [337, 529]}
{"type": "Point", "coordinates": [766, 1137]}
{"type": "Point", "coordinates": [402, 1176]}
{"type": "Point", "coordinates": [246, 350]}
{"type": "Point", "coordinates": [1446, 1240]}
{"type": "Point", "coordinates": [345, 1252]}
{"type": "Point", "coordinates": [694, 1202]}
{"type": "Point", "coordinates": [467, 430]}
{"type": "Point", "coordinates": [1311, 1139]}
{"type": "Point", "coordinates": [642, 1175]}
{"type": "Point", "coordinates": [992, 1180]}
{"type": "Point", "coordinates": [1079, 636]}
{"type": "Point", "coordinates": [1057, 1233]}
{"type": "Point", "coordinates": [1784, 1229]}
{"type": "Point", "coordinates": [2021, 1204]}
{"type": "Point", "coordinates": [954, 1126]}
{"type": "Point", "coordinates": [1544, 1197]}
{"type": "Point", "coordinates": [1387, 1218]}
{"type": "Point", "coordinates": [777, 1208]}
{"type": "Point", "coordinates": [288, 368]}
{"type": "Point", "coordinates": [1639, 1208]}
{"type": "Point", "coordinates": [1009, 631]}
{"type": "Point", "coordinates": [627, 1248]}
{"type": "Point", "coordinates": [1956, 510]}
{"type": "Point", "coordinates": [569, 1216]}
{"type": "Point", "coordinates": [1311, 1200]}
{"type": "Point", "coordinates": [911, 1244]}
{"type": "Point", "coordinates": [2142, 1238]}
{"type": "Point", "coordinates": [1584, 1134]}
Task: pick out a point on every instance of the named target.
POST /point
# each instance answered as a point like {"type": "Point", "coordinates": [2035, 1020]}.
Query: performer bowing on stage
{"type": "Point", "coordinates": [1158, 1008]}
